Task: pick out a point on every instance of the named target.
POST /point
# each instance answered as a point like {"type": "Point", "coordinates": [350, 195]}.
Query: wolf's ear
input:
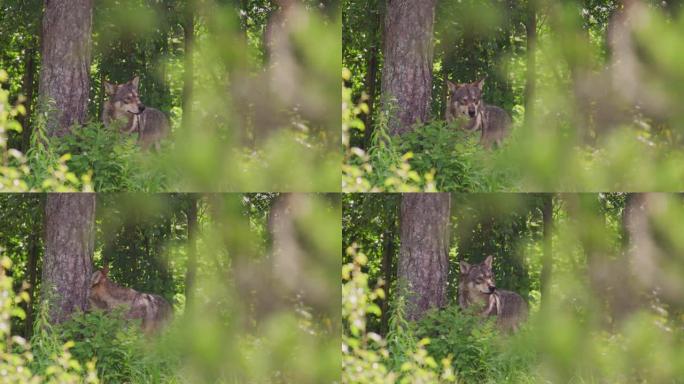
{"type": "Point", "coordinates": [135, 81]}
{"type": "Point", "coordinates": [465, 267]}
{"type": "Point", "coordinates": [95, 278]}
{"type": "Point", "coordinates": [452, 87]}
{"type": "Point", "coordinates": [488, 262]}
{"type": "Point", "coordinates": [110, 89]}
{"type": "Point", "coordinates": [480, 83]}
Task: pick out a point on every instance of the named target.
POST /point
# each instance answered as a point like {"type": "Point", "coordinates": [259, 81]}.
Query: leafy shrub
{"type": "Point", "coordinates": [123, 354]}
{"type": "Point", "coordinates": [17, 359]}
{"type": "Point", "coordinates": [455, 157]}
{"type": "Point", "coordinates": [387, 169]}
{"type": "Point", "coordinates": [16, 174]}
{"type": "Point", "coordinates": [365, 355]}
{"type": "Point", "coordinates": [113, 159]}
{"type": "Point", "coordinates": [480, 353]}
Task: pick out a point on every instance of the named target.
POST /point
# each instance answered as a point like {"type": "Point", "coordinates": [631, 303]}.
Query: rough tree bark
{"type": "Point", "coordinates": [407, 66]}
{"type": "Point", "coordinates": [423, 254]}
{"type": "Point", "coordinates": [69, 242]}
{"type": "Point", "coordinates": [65, 68]}
{"type": "Point", "coordinates": [547, 258]}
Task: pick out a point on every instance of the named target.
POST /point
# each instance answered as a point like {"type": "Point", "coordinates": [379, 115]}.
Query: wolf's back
{"type": "Point", "coordinates": [512, 309]}
{"type": "Point", "coordinates": [495, 126]}
{"type": "Point", "coordinates": [153, 126]}
{"type": "Point", "coordinates": [153, 309]}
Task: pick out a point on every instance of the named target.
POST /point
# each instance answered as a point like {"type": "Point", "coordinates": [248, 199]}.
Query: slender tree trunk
{"type": "Point", "coordinates": [69, 243]}
{"type": "Point", "coordinates": [65, 67]}
{"type": "Point", "coordinates": [423, 254]}
{"type": "Point", "coordinates": [407, 66]}
{"type": "Point", "coordinates": [444, 95]}
{"type": "Point", "coordinates": [191, 270]}
{"type": "Point", "coordinates": [531, 74]}
{"type": "Point", "coordinates": [388, 252]}
{"type": "Point", "coordinates": [371, 79]}
{"type": "Point", "coordinates": [188, 75]}
{"type": "Point", "coordinates": [547, 258]}
{"type": "Point", "coordinates": [27, 90]}
{"type": "Point", "coordinates": [32, 274]}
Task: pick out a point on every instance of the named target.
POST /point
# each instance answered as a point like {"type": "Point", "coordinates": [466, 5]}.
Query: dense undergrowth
{"type": "Point", "coordinates": [563, 344]}
{"type": "Point", "coordinates": [103, 347]}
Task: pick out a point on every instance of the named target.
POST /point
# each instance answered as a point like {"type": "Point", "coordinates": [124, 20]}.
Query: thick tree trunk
{"type": "Point", "coordinates": [191, 270]}
{"type": "Point", "coordinates": [407, 66]}
{"type": "Point", "coordinates": [64, 76]}
{"type": "Point", "coordinates": [547, 258]}
{"type": "Point", "coordinates": [531, 74]}
{"type": "Point", "coordinates": [189, 39]}
{"type": "Point", "coordinates": [69, 242]}
{"type": "Point", "coordinates": [423, 254]}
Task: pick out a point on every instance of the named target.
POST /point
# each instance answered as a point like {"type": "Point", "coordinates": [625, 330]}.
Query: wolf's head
{"type": "Point", "coordinates": [465, 99]}
{"type": "Point", "coordinates": [478, 278]}
{"type": "Point", "coordinates": [124, 97]}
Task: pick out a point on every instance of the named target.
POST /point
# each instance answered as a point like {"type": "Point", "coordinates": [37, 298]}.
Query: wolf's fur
{"type": "Point", "coordinates": [466, 100]}
{"type": "Point", "coordinates": [152, 309]}
{"type": "Point", "coordinates": [124, 106]}
{"type": "Point", "coordinates": [477, 288]}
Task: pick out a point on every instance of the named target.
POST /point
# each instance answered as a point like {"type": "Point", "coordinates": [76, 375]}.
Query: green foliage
{"type": "Point", "coordinates": [110, 160]}
{"type": "Point", "coordinates": [121, 352]}
{"type": "Point", "coordinates": [478, 352]}
{"type": "Point", "coordinates": [249, 125]}
{"type": "Point", "coordinates": [18, 360]}
{"type": "Point", "coordinates": [602, 117]}
{"type": "Point", "coordinates": [458, 162]}
{"type": "Point", "coordinates": [366, 356]}
{"type": "Point", "coordinates": [114, 159]}
{"type": "Point", "coordinates": [17, 171]}
{"type": "Point", "coordinates": [240, 322]}
{"type": "Point", "coordinates": [386, 169]}
{"type": "Point", "coordinates": [593, 323]}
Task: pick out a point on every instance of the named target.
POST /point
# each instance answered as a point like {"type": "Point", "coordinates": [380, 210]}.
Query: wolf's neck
{"type": "Point", "coordinates": [476, 122]}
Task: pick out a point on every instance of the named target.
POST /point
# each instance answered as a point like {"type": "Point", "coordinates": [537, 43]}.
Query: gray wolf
{"type": "Point", "coordinates": [152, 309]}
{"type": "Point", "coordinates": [465, 100]}
{"type": "Point", "coordinates": [476, 287]}
{"type": "Point", "coordinates": [125, 108]}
